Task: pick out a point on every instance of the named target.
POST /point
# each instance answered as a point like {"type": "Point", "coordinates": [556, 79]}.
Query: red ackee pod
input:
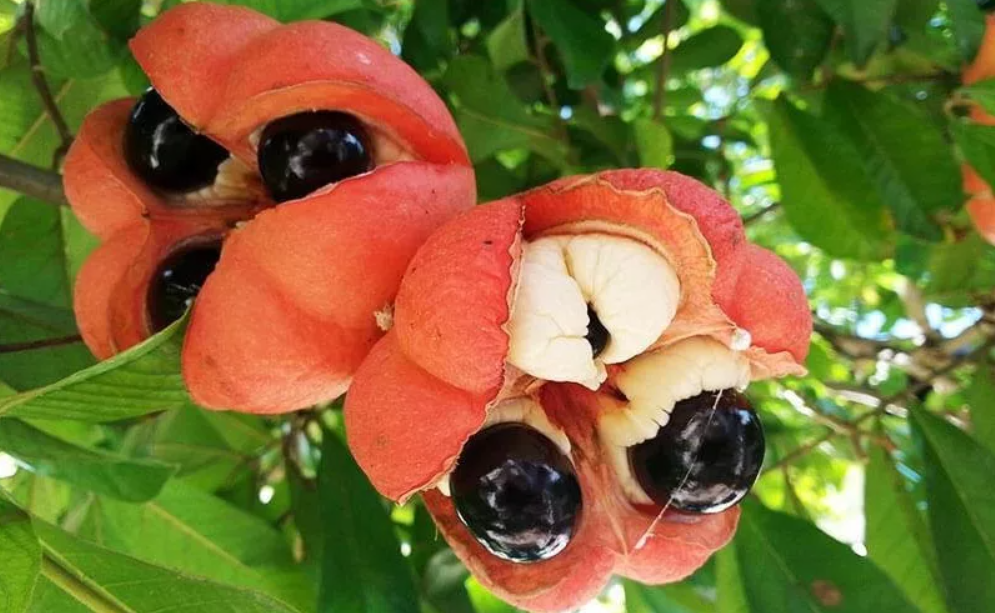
{"type": "Point", "coordinates": [457, 361]}
{"type": "Point", "coordinates": [303, 288]}
{"type": "Point", "coordinates": [981, 202]}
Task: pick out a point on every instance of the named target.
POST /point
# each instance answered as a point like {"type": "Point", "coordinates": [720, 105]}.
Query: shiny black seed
{"type": "Point", "coordinates": [986, 5]}
{"type": "Point", "coordinates": [301, 153]}
{"type": "Point", "coordinates": [178, 281]}
{"type": "Point", "coordinates": [517, 493]}
{"type": "Point", "coordinates": [597, 333]}
{"type": "Point", "coordinates": [165, 152]}
{"type": "Point", "coordinates": [704, 460]}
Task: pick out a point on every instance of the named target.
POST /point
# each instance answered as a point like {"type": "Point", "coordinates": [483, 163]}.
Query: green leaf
{"type": "Point", "coordinates": [296, 10]}
{"type": "Point", "coordinates": [580, 38]}
{"type": "Point", "coordinates": [363, 569]}
{"type": "Point", "coordinates": [56, 17]}
{"type": "Point", "coordinates": [961, 503]}
{"type": "Point", "coordinates": [101, 581]}
{"type": "Point", "coordinates": [144, 379]}
{"type": "Point", "coordinates": [710, 47]}
{"type": "Point", "coordinates": [979, 397]}
{"type": "Point", "coordinates": [797, 34]}
{"type": "Point", "coordinates": [865, 24]}
{"type": "Point", "coordinates": [789, 565]}
{"type": "Point", "coordinates": [119, 17]}
{"type": "Point", "coordinates": [673, 598]}
{"type": "Point", "coordinates": [23, 321]}
{"type": "Point", "coordinates": [654, 143]}
{"type": "Point", "coordinates": [896, 535]}
{"type": "Point", "coordinates": [196, 533]}
{"type": "Point", "coordinates": [21, 559]}
{"type": "Point", "coordinates": [89, 469]}
{"type": "Point", "coordinates": [731, 597]}
{"type": "Point", "coordinates": [977, 144]}
{"type": "Point", "coordinates": [491, 118]}
{"type": "Point", "coordinates": [904, 154]}
{"type": "Point", "coordinates": [743, 10]}
{"type": "Point", "coordinates": [33, 255]}
{"type": "Point", "coordinates": [211, 448]}
{"type": "Point", "coordinates": [485, 602]}
{"type": "Point", "coordinates": [982, 92]}
{"type": "Point", "coordinates": [507, 44]}
{"type": "Point", "coordinates": [85, 50]}
{"type": "Point", "coordinates": [825, 194]}
{"type": "Point", "coordinates": [968, 24]}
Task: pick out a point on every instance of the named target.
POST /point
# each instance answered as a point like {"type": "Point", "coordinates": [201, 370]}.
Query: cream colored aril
{"type": "Point", "coordinates": [633, 290]}
{"type": "Point", "coordinates": [654, 383]}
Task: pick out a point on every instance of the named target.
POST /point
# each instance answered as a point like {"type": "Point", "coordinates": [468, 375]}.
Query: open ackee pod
{"type": "Point", "coordinates": [573, 322]}
{"type": "Point", "coordinates": [304, 281]}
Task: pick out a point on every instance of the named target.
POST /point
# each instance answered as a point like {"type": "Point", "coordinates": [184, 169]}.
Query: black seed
{"type": "Point", "coordinates": [986, 5]}
{"type": "Point", "coordinates": [597, 333]}
{"type": "Point", "coordinates": [703, 460]}
{"type": "Point", "coordinates": [178, 280]}
{"type": "Point", "coordinates": [517, 493]}
{"type": "Point", "coordinates": [165, 152]}
{"type": "Point", "coordinates": [301, 153]}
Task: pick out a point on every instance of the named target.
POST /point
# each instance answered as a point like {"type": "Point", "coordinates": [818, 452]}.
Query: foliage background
{"type": "Point", "coordinates": [836, 127]}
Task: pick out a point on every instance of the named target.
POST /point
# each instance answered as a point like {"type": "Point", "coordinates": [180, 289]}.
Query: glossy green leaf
{"type": "Point", "coordinates": [120, 18]}
{"type": "Point", "coordinates": [24, 321]}
{"type": "Point", "coordinates": [363, 570]}
{"type": "Point", "coordinates": [905, 156]}
{"type": "Point", "coordinates": [144, 379]}
{"type": "Point", "coordinates": [654, 143]}
{"type": "Point", "coordinates": [673, 598]}
{"type": "Point", "coordinates": [961, 506]}
{"type": "Point", "coordinates": [979, 394]}
{"type": "Point", "coordinates": [507, 44]}
{"type": "Point", "coordinates": [88, 469]}
{"type": "Point", "coordinates": [196, 533]}
{"type": "Point", "coordinates": [865, 24]}
{"type": "Point", "coordinates": [705, 49]}
{"type": "Point", "coordinates": [57, 17]}
{"type": "Point", "coordinates": [977, 145]}
{"type": "Point", "coordinates": [788, 565]}
{"type": "Point", "coordinates": [897, 539]}
{"type": "Point", "coordinates": [825, 195]}
{"type": "Point", "coordinates": [491, 118]}
{"type": "Point", "coordinates": [744, 10]}
{"type": "Point", "coordinates": [98, 580]}
{"type": "Point", "coordinates": [579, 36]}
{"type": "Point", "coordinates": [968, 25]}
{"type": "Point", "coordinates": [33, 254]}
{"type": "Point", "coordinates": [85, 50]}
{"type": "Point", "coordinates": [797, 34]}
{"type": "Point", "coordinates": [21, 559]}
{"type": "Point", "coordinates": [731, 597]}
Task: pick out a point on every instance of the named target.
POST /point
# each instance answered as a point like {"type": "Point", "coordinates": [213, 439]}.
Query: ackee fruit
{"type": "Point", "coordinates": [277, 177]}
{"type": "Point", "coordinates": [598, 333]}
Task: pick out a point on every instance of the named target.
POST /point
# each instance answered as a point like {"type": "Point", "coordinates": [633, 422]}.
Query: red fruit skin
{"type": "Point", "coordinates": [427, 387]}
{"type": "Point", "coordinates": [981, 203]}
{"type": "Point", "coordinates": [293, 306]}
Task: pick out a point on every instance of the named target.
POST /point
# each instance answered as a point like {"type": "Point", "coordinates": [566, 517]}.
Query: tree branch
{"type": "Point", "coordinates": [41, 85]}
{"type": "Point", "coordinates": [754, 217]}
{"type": "Point", "coordinates": [663, 67]}
{"type": "Point", "coordinates": [32, 181]}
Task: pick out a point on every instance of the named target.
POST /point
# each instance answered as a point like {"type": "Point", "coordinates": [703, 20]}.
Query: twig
{"type": "Point", "coordinates": [754, 217]}
{"type": "Point", "coordinates": [32, 181]}
{"type": "Point", "coordinates": [542, 63]}
{"type": "Point", "coordinates": [663, 67]}
{"type": "Point", "coordinates": [41, 344]}
{"type": "Point", "coordinates": [41, 85]}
